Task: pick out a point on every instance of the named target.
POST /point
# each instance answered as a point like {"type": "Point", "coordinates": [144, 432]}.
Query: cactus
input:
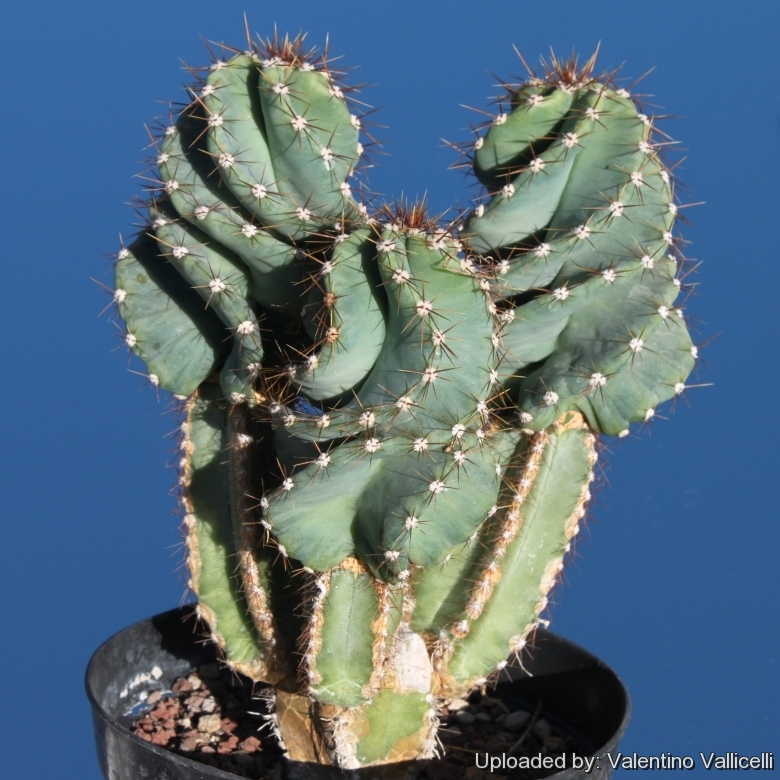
{"type": "Point", "coordinates": [390, 425]}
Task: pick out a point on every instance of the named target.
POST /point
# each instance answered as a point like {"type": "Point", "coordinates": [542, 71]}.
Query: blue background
{"type": "Point", "coordinates": [676, 582]}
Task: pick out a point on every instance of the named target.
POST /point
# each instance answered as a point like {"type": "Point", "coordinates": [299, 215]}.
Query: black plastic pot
{"type": "Point", "coordinates": [575, 688]}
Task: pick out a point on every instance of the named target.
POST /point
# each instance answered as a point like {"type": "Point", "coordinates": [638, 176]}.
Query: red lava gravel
{"type": "Point", "coordinates": [212, 717]}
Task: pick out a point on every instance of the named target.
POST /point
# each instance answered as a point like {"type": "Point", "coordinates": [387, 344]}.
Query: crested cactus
{"type": "Point", "coordinates": [390, 426]}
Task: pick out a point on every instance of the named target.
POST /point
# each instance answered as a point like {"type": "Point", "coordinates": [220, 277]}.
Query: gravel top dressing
{"type": "Point", "coordinates": [214, 717]}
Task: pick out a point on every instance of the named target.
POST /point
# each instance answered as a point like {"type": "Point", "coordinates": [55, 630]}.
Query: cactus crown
{"type": "Point", "coordinates": [390, 425]}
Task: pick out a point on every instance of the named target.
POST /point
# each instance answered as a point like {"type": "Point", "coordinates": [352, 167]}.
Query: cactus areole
{"type": "Point", "coordinates": [389, 424]}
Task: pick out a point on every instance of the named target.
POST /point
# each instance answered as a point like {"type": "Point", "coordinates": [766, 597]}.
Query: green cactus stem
{"type": "Point", "coordinates": [391, 426]}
